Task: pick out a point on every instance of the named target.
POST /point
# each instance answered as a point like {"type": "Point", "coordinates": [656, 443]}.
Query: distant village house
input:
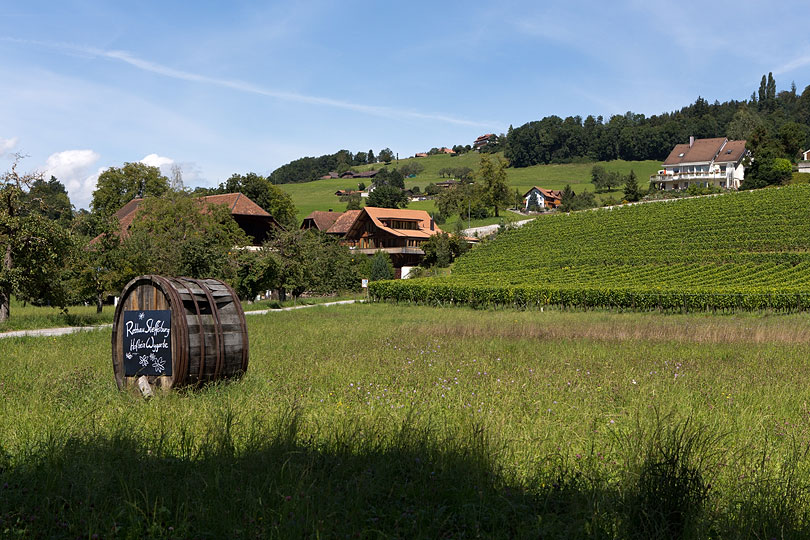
{"type": "Point", "coordinates": [804, 164]}
{"type": "Point", "coordinates": [484, 140]}
{"type": "Point", "coordinates": [546, 198]}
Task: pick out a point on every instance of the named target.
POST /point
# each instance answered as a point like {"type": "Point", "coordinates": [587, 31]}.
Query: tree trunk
{"type": "Point", "coordinates": [99, 302]}
{"type": "Point", "coordinates": [5, 305]}
{"type": "Point", "coordinates": [5, 294]}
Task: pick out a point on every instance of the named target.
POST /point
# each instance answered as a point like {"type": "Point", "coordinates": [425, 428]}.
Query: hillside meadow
{"type": "Point", "coordinates": [377, 420]}
{"type": "Point", "coordinates": [320, 194]}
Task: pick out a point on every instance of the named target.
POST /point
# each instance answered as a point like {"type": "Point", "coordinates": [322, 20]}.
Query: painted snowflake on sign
{"type": "Point", "coordinates": [141, 315]}
{"type": "Point", "coordinates": [129, 356]}
{"type": "Point", "coordinates": [144, 361]}
{"type": "Point", "coordinates": [158, 364]}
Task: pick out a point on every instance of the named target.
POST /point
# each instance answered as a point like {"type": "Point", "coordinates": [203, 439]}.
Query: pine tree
{"type": "Point", "coordinates": [763, 91]}
{"type": "Point", "coordinates": [631, 190]}
{"type": "Point", "coordinates": [381, 267]}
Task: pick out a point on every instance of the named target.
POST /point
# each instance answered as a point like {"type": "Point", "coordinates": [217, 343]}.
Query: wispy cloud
{"type": "Point", "coordinates": [796, 63]}
{"type": "Point", "coordinates": [242, 86]}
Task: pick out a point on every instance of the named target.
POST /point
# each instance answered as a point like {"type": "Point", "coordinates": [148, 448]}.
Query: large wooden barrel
{"type": "Point", "coordinates": [178, 332]}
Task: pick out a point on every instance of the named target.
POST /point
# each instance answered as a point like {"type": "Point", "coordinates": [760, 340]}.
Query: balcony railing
{"type": "Point", "coordinates": [392, 250]}
{"type": "Point", "coordinates": [694, 175]}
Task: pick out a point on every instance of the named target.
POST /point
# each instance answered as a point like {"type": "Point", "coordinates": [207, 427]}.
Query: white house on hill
{"type": "Point", "coordinates": [714, 162]}
{"type": "Point", "coordinates": [804, 164]}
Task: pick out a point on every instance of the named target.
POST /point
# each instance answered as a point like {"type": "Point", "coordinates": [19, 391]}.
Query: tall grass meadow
{"type": "Point", "coordinates": [375, 420]}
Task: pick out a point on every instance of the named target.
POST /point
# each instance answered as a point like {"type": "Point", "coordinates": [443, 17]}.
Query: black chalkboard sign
{"type": "Point", "coordinates": [147, 342]}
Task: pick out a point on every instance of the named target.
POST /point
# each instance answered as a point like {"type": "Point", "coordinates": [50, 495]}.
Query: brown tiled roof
{"type": "Point", "coordinates": [322, 220]}
{"type": "Point", "coordinates": [702, 151]}
{"type": "Point", "coordinates": [547, 193]}
{"type": "Point", "coordinates": [732, 152]}
{"type": "Point", "coordinates": [238, 204]}
{"type": "Point", "coordinates": [126, 214]}
{"type": "Point", "coordinates": [377, 216]}
{"type": "Point", "coordinates": [344, 222]}
{"type": "Point", "coordinates": [484, 137]}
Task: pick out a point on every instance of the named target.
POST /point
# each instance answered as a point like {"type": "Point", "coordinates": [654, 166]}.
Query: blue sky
{"type": "Point", "coordinates": [225, 87]}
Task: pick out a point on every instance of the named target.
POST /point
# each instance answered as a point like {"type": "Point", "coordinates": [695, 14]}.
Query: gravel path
{"type": "Point", "coordinates": [47, 332]}
{"type": "Point", "coordinates": [486, 230]}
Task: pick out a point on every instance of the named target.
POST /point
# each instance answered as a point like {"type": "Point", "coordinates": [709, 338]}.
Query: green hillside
{"type": "Point", "coordinates": [320, 194]}
{"type": "Point", "coordinates": [746, 250]}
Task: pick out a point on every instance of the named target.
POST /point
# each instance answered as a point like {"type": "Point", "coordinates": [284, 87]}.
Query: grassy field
{"type": "Point", "coordinates": [412, 422]}
{"type": "Point", "coordinates": [27, 317]}
{"type": "Point", "coordinates": [320, 195]}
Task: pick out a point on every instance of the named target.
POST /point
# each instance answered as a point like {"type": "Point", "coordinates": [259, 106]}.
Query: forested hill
{"type": "Point", "coordinates": [775, 124]}
{"type": "Point", "coordinates": [308, 169]}
{"type": "Point", "coordinates": [779, 121]}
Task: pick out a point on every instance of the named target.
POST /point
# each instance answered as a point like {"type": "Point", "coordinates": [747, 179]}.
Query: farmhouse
{"type": "Point", "coordinates": [484, 140]}
{"type": "Point", "coordinates": [399, 233]}
{"type": "Point", "coordinates": [250, 217]}
{"type": "Point", "coordinates": [545, 198]}
{"type": "Point", "coordinates": [714, 162]}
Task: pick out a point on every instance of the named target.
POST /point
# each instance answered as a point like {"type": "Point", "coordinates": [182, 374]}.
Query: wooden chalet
{"type": "Point", "coordinates": [397, 232]}
{"type": "Point", "coordinates": [251, 218]}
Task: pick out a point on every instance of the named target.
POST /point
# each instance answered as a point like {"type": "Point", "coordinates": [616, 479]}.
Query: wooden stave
{"type": "Point", "coordinates": [194, 337]}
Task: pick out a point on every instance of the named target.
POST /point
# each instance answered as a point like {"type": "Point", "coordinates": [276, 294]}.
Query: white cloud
{"type": "Point", "coordinates": [6, 145]}
{"type": "Point", "coordinates": [154, 160]}
{"type": "Point", "coordinates": [71, 168]}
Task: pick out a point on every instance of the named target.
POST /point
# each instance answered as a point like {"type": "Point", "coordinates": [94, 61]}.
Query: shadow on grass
{"type": "Point", "coordinates": [360, 483]}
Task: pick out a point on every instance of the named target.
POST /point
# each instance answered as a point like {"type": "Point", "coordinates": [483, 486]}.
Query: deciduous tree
{"type": "Point", "coordinates": [34, 249]}
{"type": "Point", "coordinates": [387, 196]}
{"type": "Point", "coordinates": [178, 235]}
{"type": "Point", "coordinates": [277, 202]}
{"type": "Point", "coordinates": [492, 181]}
{"type": "Point", "coordinates": [51, 200]}
{"type": "Point", "coordinates": [117, 186]}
